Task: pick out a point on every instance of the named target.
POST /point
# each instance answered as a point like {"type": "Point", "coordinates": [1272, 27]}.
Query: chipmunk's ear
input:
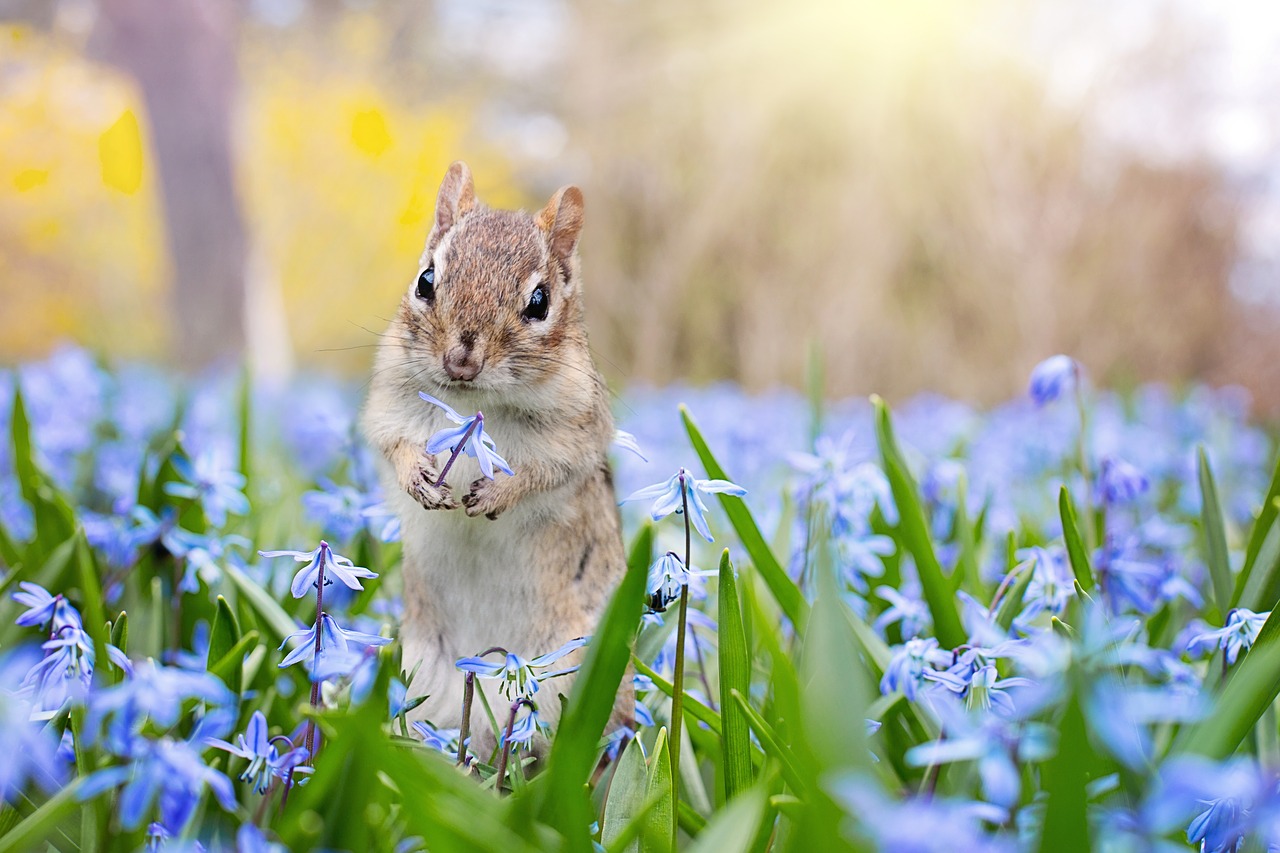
{"type": "Point", "coordinates": [457, 196]}
{"type": "Point", "coordinates": [561, 220]}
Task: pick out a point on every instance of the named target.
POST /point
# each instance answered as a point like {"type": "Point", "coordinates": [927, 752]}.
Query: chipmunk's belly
{"type": "Point", "coordinates": [471, 584]}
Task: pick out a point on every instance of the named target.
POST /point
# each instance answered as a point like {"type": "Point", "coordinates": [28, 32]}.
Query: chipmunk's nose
{"type": "Point", "coordinates": [461, 361]}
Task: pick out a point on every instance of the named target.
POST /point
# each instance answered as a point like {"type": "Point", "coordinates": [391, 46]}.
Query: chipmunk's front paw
{"type": "Point", "coordinates": [486, 498]}
{"type": "Point", "coordinates": [422, 488]}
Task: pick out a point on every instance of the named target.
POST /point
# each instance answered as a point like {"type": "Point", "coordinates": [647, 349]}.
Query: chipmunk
{"type": "Point", "coordinates": [493, 322]}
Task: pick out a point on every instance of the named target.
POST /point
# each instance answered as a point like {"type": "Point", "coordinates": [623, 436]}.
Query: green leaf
{"type": "Point", "coordinates": [1261, 589]}
{"type": "Point", "coordinates": [1011, 606]}
{"type": "Point", "coordinates": [1261, 527]}
{"type": "Point", "coordinates": [591, 700]}
{"type": "Point", "coordinates": [245, 404]}
{"type": "Point", "coordinates": [1066, 821]}
{"type": "Point", "coordinates": [735, 676]}
{"type": "Point", "coordinates": [627, 793]}
{"type": "Point", "coordinates": [784, 589]}
{"type": "Point", "coordinates": [224, 634]}
{"type": "Point", "coordinates": [95, 618]}
{"type": "Point", "coordinates": [41, 823]}
{"type": "Point", "coordinates": [120, 632]}
{"type": "Point", "coordinates": [692, 707]}
{"type": "Point", "coordinates": [280, 623]}
{"type": "Point", "coordinates": [1252, 687]}
{"type": "Point", "coordinates": [661, 826]}
{"type": "Point", "coordinates": [773, 745]}
{"type": "Point", "coordinates": [913, 530]}
{"type": "Point", "coordinates": [1077, 555]}
{"type": "Point", "coordinates": [733, 827]}
{"type": "Point", "coordinates": [230, 667]}
{"type": "Point", "coordinates": [1215, 535]}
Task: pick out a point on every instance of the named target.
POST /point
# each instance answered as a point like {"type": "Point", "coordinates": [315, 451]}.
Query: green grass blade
{"type": "Point", "coordinates": [272, 614]}
{"type": "Point", "coordinates": [627, 793]}
{"type": "Point", "coordinates": [661, 826]}
{"type": "Point", "coordinates": [573, 752]}
{"type": "Point", "coordinates": [1215, 535]}
{"type": "Point", "coordinates": [784, 589]}
{"type": "Point", "coordinates": [913, 531]}
{"type": "Point", "coordinates": [230, 667]}
{"type": "Point", "coordinates": [1066, 822]}
{"type": "Point", "coordinates": [773, 745]}
{"type": "Point", "coordinates": [1261, 526]}
{"type": "Point", "coordinates": [1077, 555]}
{"type": "Point", "coordinates": [42, 822]}
{"type": "Point", "coordinates": [735, 676]}
{"type": "Point", "coordinates": [224, 634]}
{"type": "Point", "coordinates": [1261, 590]}
{"type": "Point", "coordinates": [120, 632]}
{"type": "Point", "coordinates": [1250, 690]}
{"type": "Point", "coordinates": [733, 827]}
{"type": "Point", "coordinates": [95, 618]}
{"type": "Point", "coordinates": [1011, 606]}
{"type": "Point", "coordinates": [692, 707]}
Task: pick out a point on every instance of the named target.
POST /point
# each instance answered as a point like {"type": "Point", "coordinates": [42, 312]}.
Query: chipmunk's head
{"type": "Point", "coordinates": [494, 304]}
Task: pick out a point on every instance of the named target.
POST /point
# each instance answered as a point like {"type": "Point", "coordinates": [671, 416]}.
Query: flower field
{"type": "Point", "coordinates": [1040, 627]}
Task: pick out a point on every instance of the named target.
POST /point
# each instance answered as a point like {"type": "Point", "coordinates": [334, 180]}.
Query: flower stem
{"type": "Point", "coordinates": [315, 655]}
{"type": "Point", "coordinates": [1091, 532]}
{"type": "Point", "coordinates": [459, 447]}
{"type": "Point", "coordinates": [501, 774]}
{"type": "Point", "coordinates": [677, 692]}
{"type": "Point", "coordinates": [464, 728]}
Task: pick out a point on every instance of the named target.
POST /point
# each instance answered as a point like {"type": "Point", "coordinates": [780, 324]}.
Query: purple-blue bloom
{"type": "Point", "coordinates": [1053, 377]}
{"type": "Point", "coordinates": [212, 481]}
{"type": "Point", "coordinates": [334, 565]}
{"type": "Point", "coordinates": [479, 445]}
{"type": "Point", "coordinates": [265, 760]}
{"type": "Point", "coordinates": [30, 749]}
{"type": "Point", "coordinates": [1237, 635]}
{"type": "Point", "coordinates": [521, 674]}
{"type": "Point", "coordinates": [166, 771]}
{"type": "Point", "coordinates": [334, 640]}
{"type": "Point", "coordinates": [667, 498]}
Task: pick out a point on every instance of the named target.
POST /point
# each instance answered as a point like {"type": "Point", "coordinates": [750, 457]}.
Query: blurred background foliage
{"type": "Point", "coordinates": [902, 185]}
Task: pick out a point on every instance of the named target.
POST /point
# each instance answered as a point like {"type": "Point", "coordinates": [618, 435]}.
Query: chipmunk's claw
{"type": "Point", "coordinates": [422, 489]}
{"type": "Point", "coordinates": [483, 499]}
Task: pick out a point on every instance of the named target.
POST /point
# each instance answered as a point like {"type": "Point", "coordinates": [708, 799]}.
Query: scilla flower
{"type": "Point", "coordinates": [334, 640]}
{"type": "Point", "coordinates": [1053, 377]}
{"type": "Point", "coordinates": [1238, 634]}
{"type": "Point", "coordinates": [322, 557]}
{"type": "Point", "coordinates": [519, 673]}
{"type": "Point", "coordinates": [667, 576]}
{"type": "Point", "coordinates": [265, 760]}
{"type": "Point", "coordinates": [469, 436]}
{"type": "Point", "coordinates": [668, 498]}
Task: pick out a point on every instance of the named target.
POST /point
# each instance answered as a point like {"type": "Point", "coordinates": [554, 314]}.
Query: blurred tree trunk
{"type": "Point", "coordinates": [183, 55]}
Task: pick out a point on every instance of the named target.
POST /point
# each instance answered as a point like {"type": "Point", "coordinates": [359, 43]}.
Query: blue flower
{"type": "Point", "coordinates": [445, 740]}
{"type": "Point", "coordinates": [65, 673]}
{"type": "Point", "coordinates": [910, 662]}
{"type": "Point", "coordinates": [339, 510]}
{"type": "Point", "coordinates": [667, 498]}
{"type": "Point", "coordinates": [41, 607]}
{"type": "Point", "coordinates": [1120, 715]}
{"type": "Point", "coordinates": [322, 558]}
{"type": "Point", "coordinates": [667, 576]}
{"type": "Point", "coordinates": [210, 480]}
{"type": "Point", "coordinates": [265, 761]}
{"type": "Point", "coordinates": [154, 693]}
{"type": "Point", "coordinates": [1119, 482]}
{"type": "Point", "coordinates": [911, 612]}
{"type": "Point", "coordinates": [200, 555]}
{"type": "Point", "coordinates": [524, 729]}
{"type": "Point", "coordinates": [627, 441]}
{"type": "Point", "coordinates": [168, 771]}
{"type": "Point", "coordinates": [478, 444]}
{"type": "Point", "coordinates": [995, 744]}
{"type": "Point", "coordinates": [30, 750]}
{"type": "Point", "coordinates": [334, 640]}
{"type": "Point", "coordinates": [1238, 634]}
{"type": "Point", "coordinates": [519, 673]}
{"type": "Point", "coordinates": [1053, 377]}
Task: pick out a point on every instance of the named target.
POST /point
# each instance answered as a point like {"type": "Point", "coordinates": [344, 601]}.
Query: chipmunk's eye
{"type": "Point", "coordinates": [539, 302]}
{"type": "Point", "coordinates": [427, 284]}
